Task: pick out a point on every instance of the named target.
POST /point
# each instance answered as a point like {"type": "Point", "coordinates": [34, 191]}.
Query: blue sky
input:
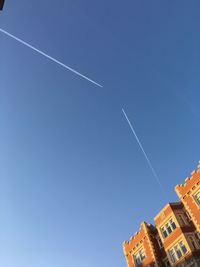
{"type": "Point", "coordinates": [74, 183]}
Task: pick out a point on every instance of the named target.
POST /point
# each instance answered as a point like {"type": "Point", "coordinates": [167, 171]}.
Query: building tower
{"type": "Point", "coordinates": [174, 241]}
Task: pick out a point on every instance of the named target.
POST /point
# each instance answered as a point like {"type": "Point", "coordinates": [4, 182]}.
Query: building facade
{"type": "Point", "coordinates": [174, 241]}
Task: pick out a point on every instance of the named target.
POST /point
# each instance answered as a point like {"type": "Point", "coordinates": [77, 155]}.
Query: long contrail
{"type": "Point", "coordinates": [49, 57]}
{"type": "Point", "coordinates": [143, 151]}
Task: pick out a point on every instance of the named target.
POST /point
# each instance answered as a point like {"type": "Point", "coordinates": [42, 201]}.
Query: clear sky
{"type": "Point", "coordinates": [73, 181]}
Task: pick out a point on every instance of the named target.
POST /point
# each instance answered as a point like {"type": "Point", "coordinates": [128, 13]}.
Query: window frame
{"type": "Point", "coordinates": [172, 223]}
{"type": "Point", "coordinates": [196, 197]}
{"type": "Point", "coordinates": [160, 243]}
{"type": "Point", "coordinates": [177, 251]}
{"type": "Point", "coordinates": [164, 232]}
{"type": "Point", "coordinates": [167, 262]}
{"type": "Point", "coordinates": [182, 219]}
{"type": "Point", "coordinates": [172, 254]}
{"type": "Point", "coordinates": [139, 257]}
{"type": "Point", "coordinates": [193, 242]}
{"type": "Point", "coordinates": [168, 227]}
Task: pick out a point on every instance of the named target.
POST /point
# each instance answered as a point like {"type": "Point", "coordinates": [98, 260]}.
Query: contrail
{"type": "Point", "coordinates": [49, 57]}
{"type": "Point", "coordinates": [144, 153]}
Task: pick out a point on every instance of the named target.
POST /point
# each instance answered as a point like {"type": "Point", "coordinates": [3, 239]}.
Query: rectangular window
{"type": "Point", "coordinates": [173, 225]}
{"type": "Point", "coordinates": [197, 197]}
{"type": "Point", "coordinates": [172, 255]}
{"type": "Point", "coordinates": [193, 242]}
{"type": "Point", "coordinates": [181, 221]}
{"type": "Point", "coordinates": [177, 251]}
{"type": "Point", "coordinates": [188, 215]}
{"type": "Point", "coordinates": [142, 255]}
{"type": "Point", "coordinates": [159, 242]}
{"type": "Point", "coordinates": [164, 232]}
{"type": "Point", "coordinates": [168, 228]}
{"type": "Point", "coordinates": [139, 257]}
{"type": "Point", "coordinates": [167, 263]}
{"type": "Point", "coordinates": [183, 247]}
{"type": "Point", "coordinates": [137, 260]}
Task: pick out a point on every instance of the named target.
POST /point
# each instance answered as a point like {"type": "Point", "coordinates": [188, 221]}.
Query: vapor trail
{"type": "Point", "coordinates": [49, 57]}
{"type": "Point", "coordinates": [143, 151]}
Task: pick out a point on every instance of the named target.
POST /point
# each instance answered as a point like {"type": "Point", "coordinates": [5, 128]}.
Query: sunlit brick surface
{"type": "Point", "coordinates": [175, 238]}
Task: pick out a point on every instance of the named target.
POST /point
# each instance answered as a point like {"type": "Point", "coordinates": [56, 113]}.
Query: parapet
{"type": "Point", "coordinates": [190, 182]}
{"type": "Point", "coordinates": [138, 236]}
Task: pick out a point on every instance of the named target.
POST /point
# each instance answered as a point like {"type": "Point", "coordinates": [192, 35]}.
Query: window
{"type": "Point", "coordinates": [168, 228]}
{"type": "Point", "coordinates": [139, 257]}
{"type": "Point", "coordinates": [193, 242]}
{"type": "Point", "coordinates": [172, 255]}
{"type": "Point", "coordinates": [142, 255]}
{"type": "Point", "coordinates": [159, 242]}
{"type": "Point", "coordinates": [137, 260]}
{"type": "Point", "coordinates": [172, 223]}
{"type": "Point", "coordinates": [197, 197]}
{"type": "Point", "coordinates": [167, 263]}
{"type": "Point", "coordinates": [164, 232]}
{"type": "Point", "coordinates": [177, 251]}
{"type": "Point", "coordinates": [188, 215]}
{"type": "Point", "coordinates": [197, 237]}
{"type": "Point", "coordinates": [183, 247]}
{"type": "Point", "coordinates": [182, 219]}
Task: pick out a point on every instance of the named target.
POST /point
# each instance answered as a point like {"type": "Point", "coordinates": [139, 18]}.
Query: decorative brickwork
{"type": "Point", "coordinates": [175, 239]}
{"type": "Point", "coordinates": [186, 193]}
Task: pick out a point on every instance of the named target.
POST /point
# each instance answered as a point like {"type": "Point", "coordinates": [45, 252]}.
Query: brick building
{"type": "Point", "coordinates": [174, 241]}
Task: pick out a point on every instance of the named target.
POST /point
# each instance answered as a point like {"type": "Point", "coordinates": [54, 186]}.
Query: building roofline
{"type": "Point", "coordinates": [143, 223]}
{"type": "Point", "coordinates": [170, 204]}
{"type": "Point", "coordinates": [180, 187]}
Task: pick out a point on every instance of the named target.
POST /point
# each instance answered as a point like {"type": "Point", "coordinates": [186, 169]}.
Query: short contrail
{"type": "Point", "coordinates": [49, 57]}
{"type": "Point", "coordinates": [144, 153]}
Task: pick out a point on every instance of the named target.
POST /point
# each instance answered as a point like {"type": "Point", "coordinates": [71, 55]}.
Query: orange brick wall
{"type": "Point", "coordinates": [147, 235]}
{"type": "Point", "coordinates": [185, 192]}
{"type": "Point", "coordinates": [142, 239]}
